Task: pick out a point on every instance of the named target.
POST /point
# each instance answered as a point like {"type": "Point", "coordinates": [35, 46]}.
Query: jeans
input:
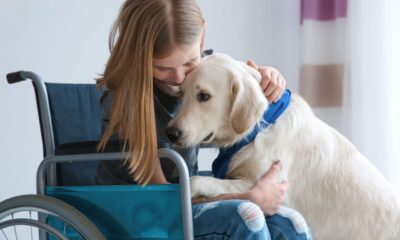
{"type": "Point", "coordinates": [242, 220]}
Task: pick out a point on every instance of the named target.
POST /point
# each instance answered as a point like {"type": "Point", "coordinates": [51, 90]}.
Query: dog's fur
{"type": "Point", "coordinates": [338, 191]}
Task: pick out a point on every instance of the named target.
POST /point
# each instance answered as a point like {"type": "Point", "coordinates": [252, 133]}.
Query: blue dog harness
{"type": "Point", "coordinates": [274, 110]}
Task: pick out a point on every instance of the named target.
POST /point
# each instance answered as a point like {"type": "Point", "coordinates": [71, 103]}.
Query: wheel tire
{"type": "Point", "coordinates": [68, 213]}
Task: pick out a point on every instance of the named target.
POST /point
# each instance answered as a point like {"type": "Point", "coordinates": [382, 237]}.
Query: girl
{"type": "Point", "coordinates": [154, 44]}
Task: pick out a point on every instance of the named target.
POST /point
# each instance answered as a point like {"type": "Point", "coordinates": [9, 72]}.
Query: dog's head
{"type": "Point", "coordinates": [222, 101]}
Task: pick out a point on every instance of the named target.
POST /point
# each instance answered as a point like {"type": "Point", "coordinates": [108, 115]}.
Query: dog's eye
{"type": "Point", "coordinates": [203, 97]}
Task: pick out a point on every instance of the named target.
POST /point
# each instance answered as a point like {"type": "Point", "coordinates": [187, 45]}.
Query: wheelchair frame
{"type": "Point", "coordinates": [45, 173]}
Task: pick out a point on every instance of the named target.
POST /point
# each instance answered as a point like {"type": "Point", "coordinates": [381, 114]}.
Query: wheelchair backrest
{"type": "Point", "coordinates": [76, 113]}
{"type": "Point", "coordinates": [76, 117]}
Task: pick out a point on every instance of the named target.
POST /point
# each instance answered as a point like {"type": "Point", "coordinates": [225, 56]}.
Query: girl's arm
{"type": "Point", "coordinates": [158, 176]}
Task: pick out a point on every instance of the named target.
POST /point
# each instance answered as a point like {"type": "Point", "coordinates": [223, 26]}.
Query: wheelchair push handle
{"type": "Point", "coordinates": [15, 77]}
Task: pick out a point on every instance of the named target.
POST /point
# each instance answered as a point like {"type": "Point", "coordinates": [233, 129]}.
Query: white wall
{"type": "Point", "coordinates": [63, 41]}
{"type": "Point", "coordinates": [266, 31]}
{"type": "Point", "coordinates": [67, 41]}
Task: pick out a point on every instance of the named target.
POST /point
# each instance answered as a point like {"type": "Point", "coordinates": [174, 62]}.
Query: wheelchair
{"type": "Point", "coordinates": [68, 203]}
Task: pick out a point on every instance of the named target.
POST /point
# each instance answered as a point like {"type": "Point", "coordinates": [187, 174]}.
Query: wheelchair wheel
{"type": "Point", "coordinates": [41, 217]}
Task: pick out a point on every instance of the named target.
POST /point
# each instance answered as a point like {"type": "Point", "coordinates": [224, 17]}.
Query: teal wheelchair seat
{"type": "Point", "coordinates": [127, 212]}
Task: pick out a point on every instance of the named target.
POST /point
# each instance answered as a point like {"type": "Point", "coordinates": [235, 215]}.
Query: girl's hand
{"type": "Point", "coordinates": [267, 193]}
{"type": "Point", "coordinates": [272, 82]}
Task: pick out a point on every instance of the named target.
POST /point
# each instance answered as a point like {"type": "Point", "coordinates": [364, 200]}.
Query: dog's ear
{"type": "Point", "coordinates": [248, 103]}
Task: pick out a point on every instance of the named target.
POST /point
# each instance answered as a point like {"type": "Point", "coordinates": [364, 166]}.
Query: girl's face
{"type": "Point", "coordinates": [169, 72]}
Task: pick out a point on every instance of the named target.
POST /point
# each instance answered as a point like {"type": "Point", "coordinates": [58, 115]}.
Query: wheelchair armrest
{"type": "Point", "coordinates": [87, 147]}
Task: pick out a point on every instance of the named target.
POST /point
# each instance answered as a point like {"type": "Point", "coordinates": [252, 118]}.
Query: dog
{"type": "Point", "coordinates": [338, 191]}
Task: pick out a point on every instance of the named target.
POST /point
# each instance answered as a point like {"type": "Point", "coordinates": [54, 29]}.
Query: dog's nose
{"type": "Point", "coordinates": [173, 133]}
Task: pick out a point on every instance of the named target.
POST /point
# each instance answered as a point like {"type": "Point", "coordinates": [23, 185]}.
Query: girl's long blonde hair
{"type": "Point", "coordinates": [143, 30]}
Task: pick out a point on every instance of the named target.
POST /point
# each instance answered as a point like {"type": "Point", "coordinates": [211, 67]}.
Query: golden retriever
{"type": "Point", "coordinates": [339, 192]}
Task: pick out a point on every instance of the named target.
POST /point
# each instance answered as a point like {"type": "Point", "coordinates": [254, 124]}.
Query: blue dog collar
{"type": "Point", "coordinates": [273, 112]}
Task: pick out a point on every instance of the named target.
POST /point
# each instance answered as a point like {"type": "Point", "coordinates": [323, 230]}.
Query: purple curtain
{"type": "Point", "coordinates": [323, 24]}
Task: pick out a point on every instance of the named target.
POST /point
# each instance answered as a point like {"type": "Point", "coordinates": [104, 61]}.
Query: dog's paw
{"type": "Point", "coordinates": [200, 186]}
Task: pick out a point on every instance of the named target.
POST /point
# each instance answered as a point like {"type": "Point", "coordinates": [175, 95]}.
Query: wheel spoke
{"type": "Point", "coordinates": [4, 234]}
{"type": "Point", "coordinates": [30, 217]}
{"type": "Point", "coordinates": [15, 230]}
